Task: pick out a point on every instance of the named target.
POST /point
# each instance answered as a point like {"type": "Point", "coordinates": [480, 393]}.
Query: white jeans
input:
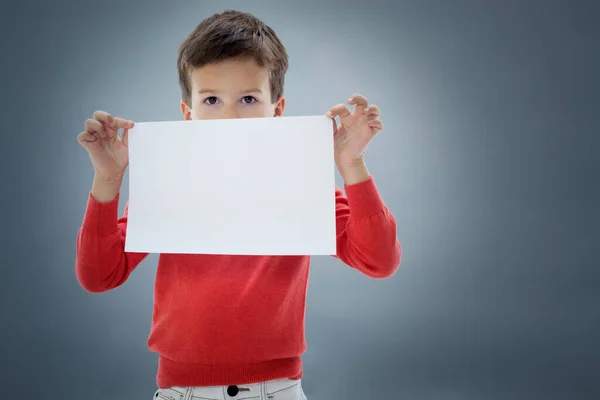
{"type": "Point", "coordinates": [279, 389]}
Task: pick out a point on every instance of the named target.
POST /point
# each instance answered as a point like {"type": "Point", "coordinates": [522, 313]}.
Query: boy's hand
{"type": "Point", "coordinates": [355, 130]}
{"type": "Point", "coordinates": [109, 154]}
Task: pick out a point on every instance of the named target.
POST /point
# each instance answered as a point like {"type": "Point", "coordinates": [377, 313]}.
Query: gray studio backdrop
{"type": "Point", "coordinates": [488, 160]}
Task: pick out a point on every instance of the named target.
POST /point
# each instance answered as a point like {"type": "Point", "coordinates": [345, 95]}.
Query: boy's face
{"type": "Point", "coordinates": [231, 89]}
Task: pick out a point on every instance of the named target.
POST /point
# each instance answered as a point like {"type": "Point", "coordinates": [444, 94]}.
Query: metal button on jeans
{"type": "Point", "coordinates": [232, 390]}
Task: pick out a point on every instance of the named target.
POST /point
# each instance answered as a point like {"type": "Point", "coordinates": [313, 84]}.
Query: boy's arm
{"type": "Point", "coordinates": [366, 231]}
{"type": "Point", "coordinates": [101, 261]}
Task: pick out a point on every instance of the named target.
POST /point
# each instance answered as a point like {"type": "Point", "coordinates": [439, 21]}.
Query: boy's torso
{"type": "Point", "coordinates": [207, 305]}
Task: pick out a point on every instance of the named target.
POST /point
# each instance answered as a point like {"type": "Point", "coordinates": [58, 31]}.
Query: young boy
{"type": "Point", "coordinates": [232, 326]}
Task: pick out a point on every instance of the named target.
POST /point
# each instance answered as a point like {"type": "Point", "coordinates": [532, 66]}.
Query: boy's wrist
{"type": "Point", "coordinates": [353, 173]}
{"type": "Point", "coordinates": [109, 178]}
{"type": "Point", "coordinates": [106, 189]}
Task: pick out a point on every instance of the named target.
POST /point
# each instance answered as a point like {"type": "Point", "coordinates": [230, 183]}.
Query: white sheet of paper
{"type": "Point", "coordinates": [253, 186]}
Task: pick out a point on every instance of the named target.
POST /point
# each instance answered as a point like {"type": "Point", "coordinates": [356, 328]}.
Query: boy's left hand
{"type": "Point", "coordinates": [355, 130]}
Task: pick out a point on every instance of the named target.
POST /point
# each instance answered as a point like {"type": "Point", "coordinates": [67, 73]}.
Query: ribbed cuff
{"type": "Point", "coordinates": [172, 373]}
{"type": "Point", "coordinates": [101, 217]}
{"type": "Point", "coordinates": [364, 199]}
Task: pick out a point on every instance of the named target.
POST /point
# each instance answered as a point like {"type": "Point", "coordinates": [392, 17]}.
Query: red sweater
{"type": "Point", "coordinates": [220, 319]}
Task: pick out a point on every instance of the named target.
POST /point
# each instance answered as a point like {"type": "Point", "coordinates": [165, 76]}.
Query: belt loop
{"type": "Point", "coordinates": [262, 388]}
{"type": "Point", "coordinates": [188, 393]}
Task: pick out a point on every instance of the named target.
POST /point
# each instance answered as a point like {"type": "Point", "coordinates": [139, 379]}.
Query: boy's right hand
{"type": "Point", "coordinates": [109, 153]}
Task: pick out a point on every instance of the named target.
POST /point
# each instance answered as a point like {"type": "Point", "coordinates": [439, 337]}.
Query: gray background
{"type": "Point", "coordinates": [488, 160]}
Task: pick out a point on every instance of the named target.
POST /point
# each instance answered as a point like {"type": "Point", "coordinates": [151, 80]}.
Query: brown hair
{"type": "Point", "coordinates": [232, 34]}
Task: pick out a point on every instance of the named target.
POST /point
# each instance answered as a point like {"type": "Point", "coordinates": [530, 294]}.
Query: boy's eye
{"type": "Point", "coordinates": [211, 100]}
{"type": "Point", "coordinates": [248, 99]}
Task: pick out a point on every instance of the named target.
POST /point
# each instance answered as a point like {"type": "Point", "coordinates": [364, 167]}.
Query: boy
{"type": "Point", "coordinates": [232, 326]}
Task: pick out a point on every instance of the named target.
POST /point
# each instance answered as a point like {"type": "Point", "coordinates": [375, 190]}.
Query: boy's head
{"type": "Point", "coordinates": [232, 65]}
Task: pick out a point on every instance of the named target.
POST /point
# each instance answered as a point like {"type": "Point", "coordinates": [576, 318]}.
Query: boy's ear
{"type": "Point", "coordinates": [186, 111]}
{"type": "Point", "coordinates": [279, 107]}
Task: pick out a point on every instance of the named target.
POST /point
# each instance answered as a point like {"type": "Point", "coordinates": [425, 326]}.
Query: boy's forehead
{"type": "Point", "coordinates": [230, 72]}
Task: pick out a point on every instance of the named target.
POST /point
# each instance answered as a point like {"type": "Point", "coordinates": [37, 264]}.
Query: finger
{"type": "Point", "coordinates": [372, 110]}
{"type": "Point", "coordinates": [340, 110]}
{"type": "Point", "coordinates": [360, 101]}
{"type": "Point", "coordinates": [123, 123]}
{"type": "Point", "coordinates": [86, 137]}
{"type": "Point", "coordinates": [119, 123]}
{"type": "Point", "coordinates": [95, 127]}
{"type": "Point", "coordinates": [105, 118]}
{"type": "Point", "coordinates": [376, 125]}
{"type": "Point", "coordinates": [110, 126]}
{"type": "Point", "coordinates": [372, 117]}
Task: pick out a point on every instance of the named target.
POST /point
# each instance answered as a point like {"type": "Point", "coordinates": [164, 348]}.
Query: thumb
{"type": "Point", "coordinates": [335, 127]}
{"type": "Point", "coordinates": [125, 138]}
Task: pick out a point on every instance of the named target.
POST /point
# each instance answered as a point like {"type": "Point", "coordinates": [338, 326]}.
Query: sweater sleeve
{"type": "Point", "coordinates": [101, 263]}
{"type": "Point", "coordinates": [366, 231]}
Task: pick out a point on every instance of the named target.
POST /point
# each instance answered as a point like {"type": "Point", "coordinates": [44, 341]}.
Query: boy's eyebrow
{"type": "Point", "coordinates": [202, 91]}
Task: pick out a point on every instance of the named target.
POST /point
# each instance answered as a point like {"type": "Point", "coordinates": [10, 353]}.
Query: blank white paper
{"type": "Point", "coordinates": [253, 186]}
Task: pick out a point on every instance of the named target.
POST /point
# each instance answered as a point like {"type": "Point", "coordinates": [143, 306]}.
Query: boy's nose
{"type": "Point", "coordinates": [230, 112]}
